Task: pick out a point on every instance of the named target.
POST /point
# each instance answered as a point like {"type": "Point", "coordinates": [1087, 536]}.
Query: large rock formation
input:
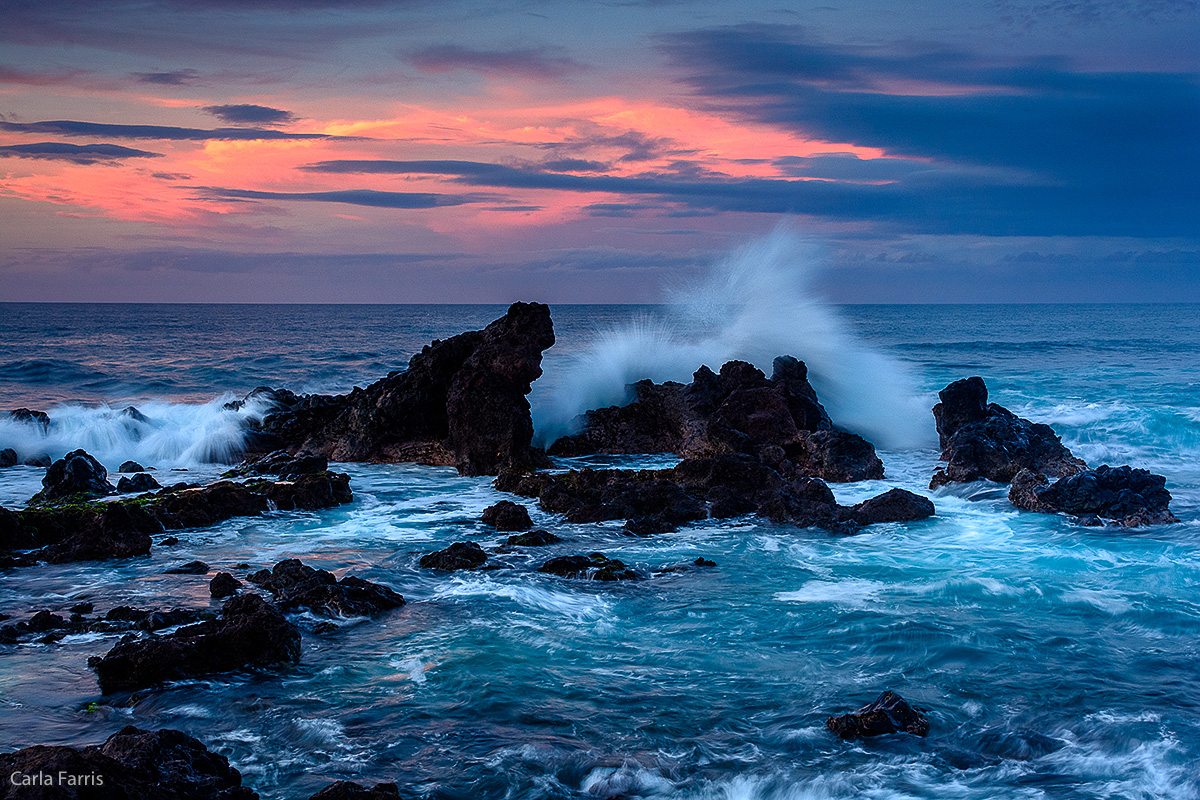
{"type": "Point", "coordinates": [250, 633]}
{"type": "Point", "coordinates": [296, 586]}
{"type": "Point", "coordinates": [1121, 495]}
{"type": "Point", "coordinates": [984, 440]}
{"type": "Point", "coordinates": [729, 485]}
{"type": "Point", "coordinates": [75, 476]}
{"type": "Point", "coordinates": [739, 411]}
{"type": "Point", "coordinates": [461, 402]}
{"type": "Point", "coordinates": [149, 765]}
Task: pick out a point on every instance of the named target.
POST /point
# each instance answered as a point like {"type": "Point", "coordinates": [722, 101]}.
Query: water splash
{"type": "Point", "coordinates": [161, 434]}
{"type": "Point", "coordinates": [756, 304]}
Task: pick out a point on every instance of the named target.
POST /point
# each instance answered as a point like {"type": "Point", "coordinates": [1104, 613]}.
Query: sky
{"type": "Point", "coordinates": [584, 151]}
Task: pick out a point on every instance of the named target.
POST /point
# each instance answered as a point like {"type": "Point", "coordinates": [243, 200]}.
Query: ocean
{"type": "Point", "coordinates": [1054, 661]}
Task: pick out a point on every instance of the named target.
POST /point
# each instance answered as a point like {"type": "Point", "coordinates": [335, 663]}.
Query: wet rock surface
{"type": "Point", "coordinates": [985, 440]}
{"type": "Point", "coordinates": [507, 516]}
{"type": "Point", "coordinates": [75, 476]}
{"type": "Point", "coordinates": [1121, 495]}
{"type": "Point", "coordinates": [249, 633]}
{"type": "Point", "coordinates": [738, 411]}
{"type": "Point", "coordinates": [147, 765]}
{"type": "Point", "coordinates": [595, 566]}
{"type": "Point", "coordinates": [297, 586]}
{"type": "Point", "coordinates": [130, 467]}
{"type": "Point", "coordinates": [141, 482]}
{"type": "Point", "coordinates": [537, 538]}
{"type": "Point", "coordinates": [347, 790]}
{"type": "Point", "coordinates": [224, 585]}
{"type": "Point", "coordinates": [888, 714]}
{"type": "Point", "coordinates": [460, 555]}
{"type": "Point", "coordinates": [461, 402]}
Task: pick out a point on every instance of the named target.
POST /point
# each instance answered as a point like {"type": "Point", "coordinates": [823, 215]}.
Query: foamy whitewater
{"type": "Point", "coordinates": [1054, 661]}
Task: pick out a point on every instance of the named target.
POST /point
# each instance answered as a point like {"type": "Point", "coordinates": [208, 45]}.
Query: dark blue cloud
{"type": "Point", "coordinates": [75, 153]}
{"type": "Point", "coordinates": [537, 62]}
{"type": "Point", "coordinates": [356, 197]}
{"type": "Point", "coordinates": [179, 77]}
{"type": "Point", "coordinates": [1085, 149]}
{"type": "Point", "coordinates": [249, 114]}
{"type": "Point", "coordinates": [574, 165]}
{"type": "Point", "coordinates": [165, 132]}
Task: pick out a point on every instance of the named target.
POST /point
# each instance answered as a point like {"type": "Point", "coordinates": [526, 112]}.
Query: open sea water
{"type": "Point", "coordinates": [1055, 661]}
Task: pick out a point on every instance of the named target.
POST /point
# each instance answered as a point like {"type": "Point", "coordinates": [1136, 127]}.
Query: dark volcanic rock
{"type": "Point", "coordinates": [1127, 496]}
{"type": "Point", "coordinates": [130, 467]}
{"type": "Point", "coordinates": [8, 458]}
{"type": "Point", "coordinates": [896, 505]}
{"type": "Point", "coordinates": [538, 538]}
{"type": "Point", "coordinates": [42, 460]}
{"type": "Point", "coordinates": [596, 566]}
{"type": "Point", "coordinates": [460, 555]}
{"type": "Point", "coordinates": [461, 402]}
{"type": "Point", "coordinates": [346, 790]}
{"type": "Point", "coordinates": [296, 586]}
{"type": "Point", "coordinates": [224, 585]}
{"type": "Point", "coordinates": [147, 765]}
{"type": "Point", "coordinates": [982, 440]}
{"type": "Point", "coordinates": [142, 482]}
{"type": "Point", "coordinates": [74, 476]}
{"type": "Point", "coordinates": [37, 418]}
{"type": "Point", "coordinates": [93, 532]}
{"type": "Point", "coordinates": [190, 568]}
{"type": "Point", "coordinates": [507, 516]}
{"type": "Point", "coordinates": [283, 464]}
{"type": "Point", "coordinates": [888, 714]}
{"type": "Point", "coordinates": [250, 632]}
{"type": "Point", "coordinates": [739, 411]}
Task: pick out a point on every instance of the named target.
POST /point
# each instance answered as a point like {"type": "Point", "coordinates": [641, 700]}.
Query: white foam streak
{"type": "Point", "coordinates": [755, 305]}
{"type": "Point", "coordinates": [167, 435]}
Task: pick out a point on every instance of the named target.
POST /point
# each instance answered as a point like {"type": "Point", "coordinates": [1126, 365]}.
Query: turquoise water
{"type": "Point", "coordinates": [1055, 661]}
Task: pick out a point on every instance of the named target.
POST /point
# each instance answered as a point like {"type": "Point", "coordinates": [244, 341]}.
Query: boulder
{"type": "Point", "coordinates": [95, 532]}
{"type": "Point", "coordinates": [249, 633]}
{"type": "Point", "coordinates": [596, 566]}
{"type": "Point", "coordinates": [984, 440]}
{"type": "Point", "coordinates": [460, 555]}
{"type": "Point", "coordinates": [1123, 495]}
{"type": "Point", "coordinates": [224, 585]}
{"type": "Point", "coordinates": [141, 482]}
{"type": "Point", "coordinates": [538, 538]}
{"type": "Point", "coordinates": [190, 568]}
{"type": "Point", "coordinates": [507, 516]}
{"type": "Point", "coordinates": [149, 765]}
{"type": "Point", "coordinates": [42, 460]}
{"type": "Point", "coordinates": [75, 476]}
{"type": "Point", "coordinates": [297, 586]}
{"type": "Point", "coordinates": [8, 458]}
{"type": "Point", "coordinates": [130, 467]}
{"type": "Point", "coordinates": [461, 402]}
{"type": "Point", "coordinates": [888, 714]}
{"type": "Point", "coordinates": [283, 464]}
{"type": "Point", "coordinates": [895, 505]}
{"type": "Point", "coordinates": [38, 419]}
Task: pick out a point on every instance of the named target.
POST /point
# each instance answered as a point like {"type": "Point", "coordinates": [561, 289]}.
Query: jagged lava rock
{"type": "Point", "coordinates": [296, 586]}
{"type": "Point", "coordinates": [74, 476]}
{"type": "Point", "coordinates": [249, 633]}
{"type": "Point", "coordinates": [1127, 496]}
{"type": "Point", "coordinates": [985, 440]}
{"type": "Point", "coordinates": [148, 765]}
{"type": "Point", "coordinates": [507, 516]}
{"type": "Point", "coordinates": [595, 566]}
{"type": "Point", "coordinates": [895, 505]}
{"type": "Point", "coordinates": [888, 714]}
{"type": "Point", "coordinates": [461, 402]}
{"type": "Point", "coordinates": [93, 532]}
{"type": "Point", "coordinates": [460, 555]}
{"type": "Point", "coordinates": [141, 482]}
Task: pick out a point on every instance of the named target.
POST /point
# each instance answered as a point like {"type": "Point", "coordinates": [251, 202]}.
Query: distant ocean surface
{"type": "Point", "coordinates": [1055, 661]}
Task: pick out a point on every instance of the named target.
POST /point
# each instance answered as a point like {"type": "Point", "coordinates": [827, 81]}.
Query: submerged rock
{"type": "Point", "coordinates": [1124, 495]}
{"type": "Point", "coordinates": [141, 482]}
{"type": "Point", "coordinates": [75, 476]}
{"type": "Point", "coordinates": [297, 586]}
{"type": "Point", "coordinates": [538, 538]}
{"type": "Point", "coordinates": [190, 568]}
{"type": "Point", "coordinates": [596, 566]}
{"type": "Point", "coordinates": [249, 633]}
{"type": "Point", "coordinates": [507, 516]}
{"type": "Point", "coordinates": [461, 402]}
{"type": "Point", "coordinates": [224, 585]}
{"type": "Point", "coordinates": [460, 555]}
{"type": "Point", "coordinates": [888, 714]}
{"type": "Point", "coordinates": [347, 790]}
{"type": "Point", "coordinates": [148, 765]}
{"type": "Point", "coordinates": [984, 440]}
